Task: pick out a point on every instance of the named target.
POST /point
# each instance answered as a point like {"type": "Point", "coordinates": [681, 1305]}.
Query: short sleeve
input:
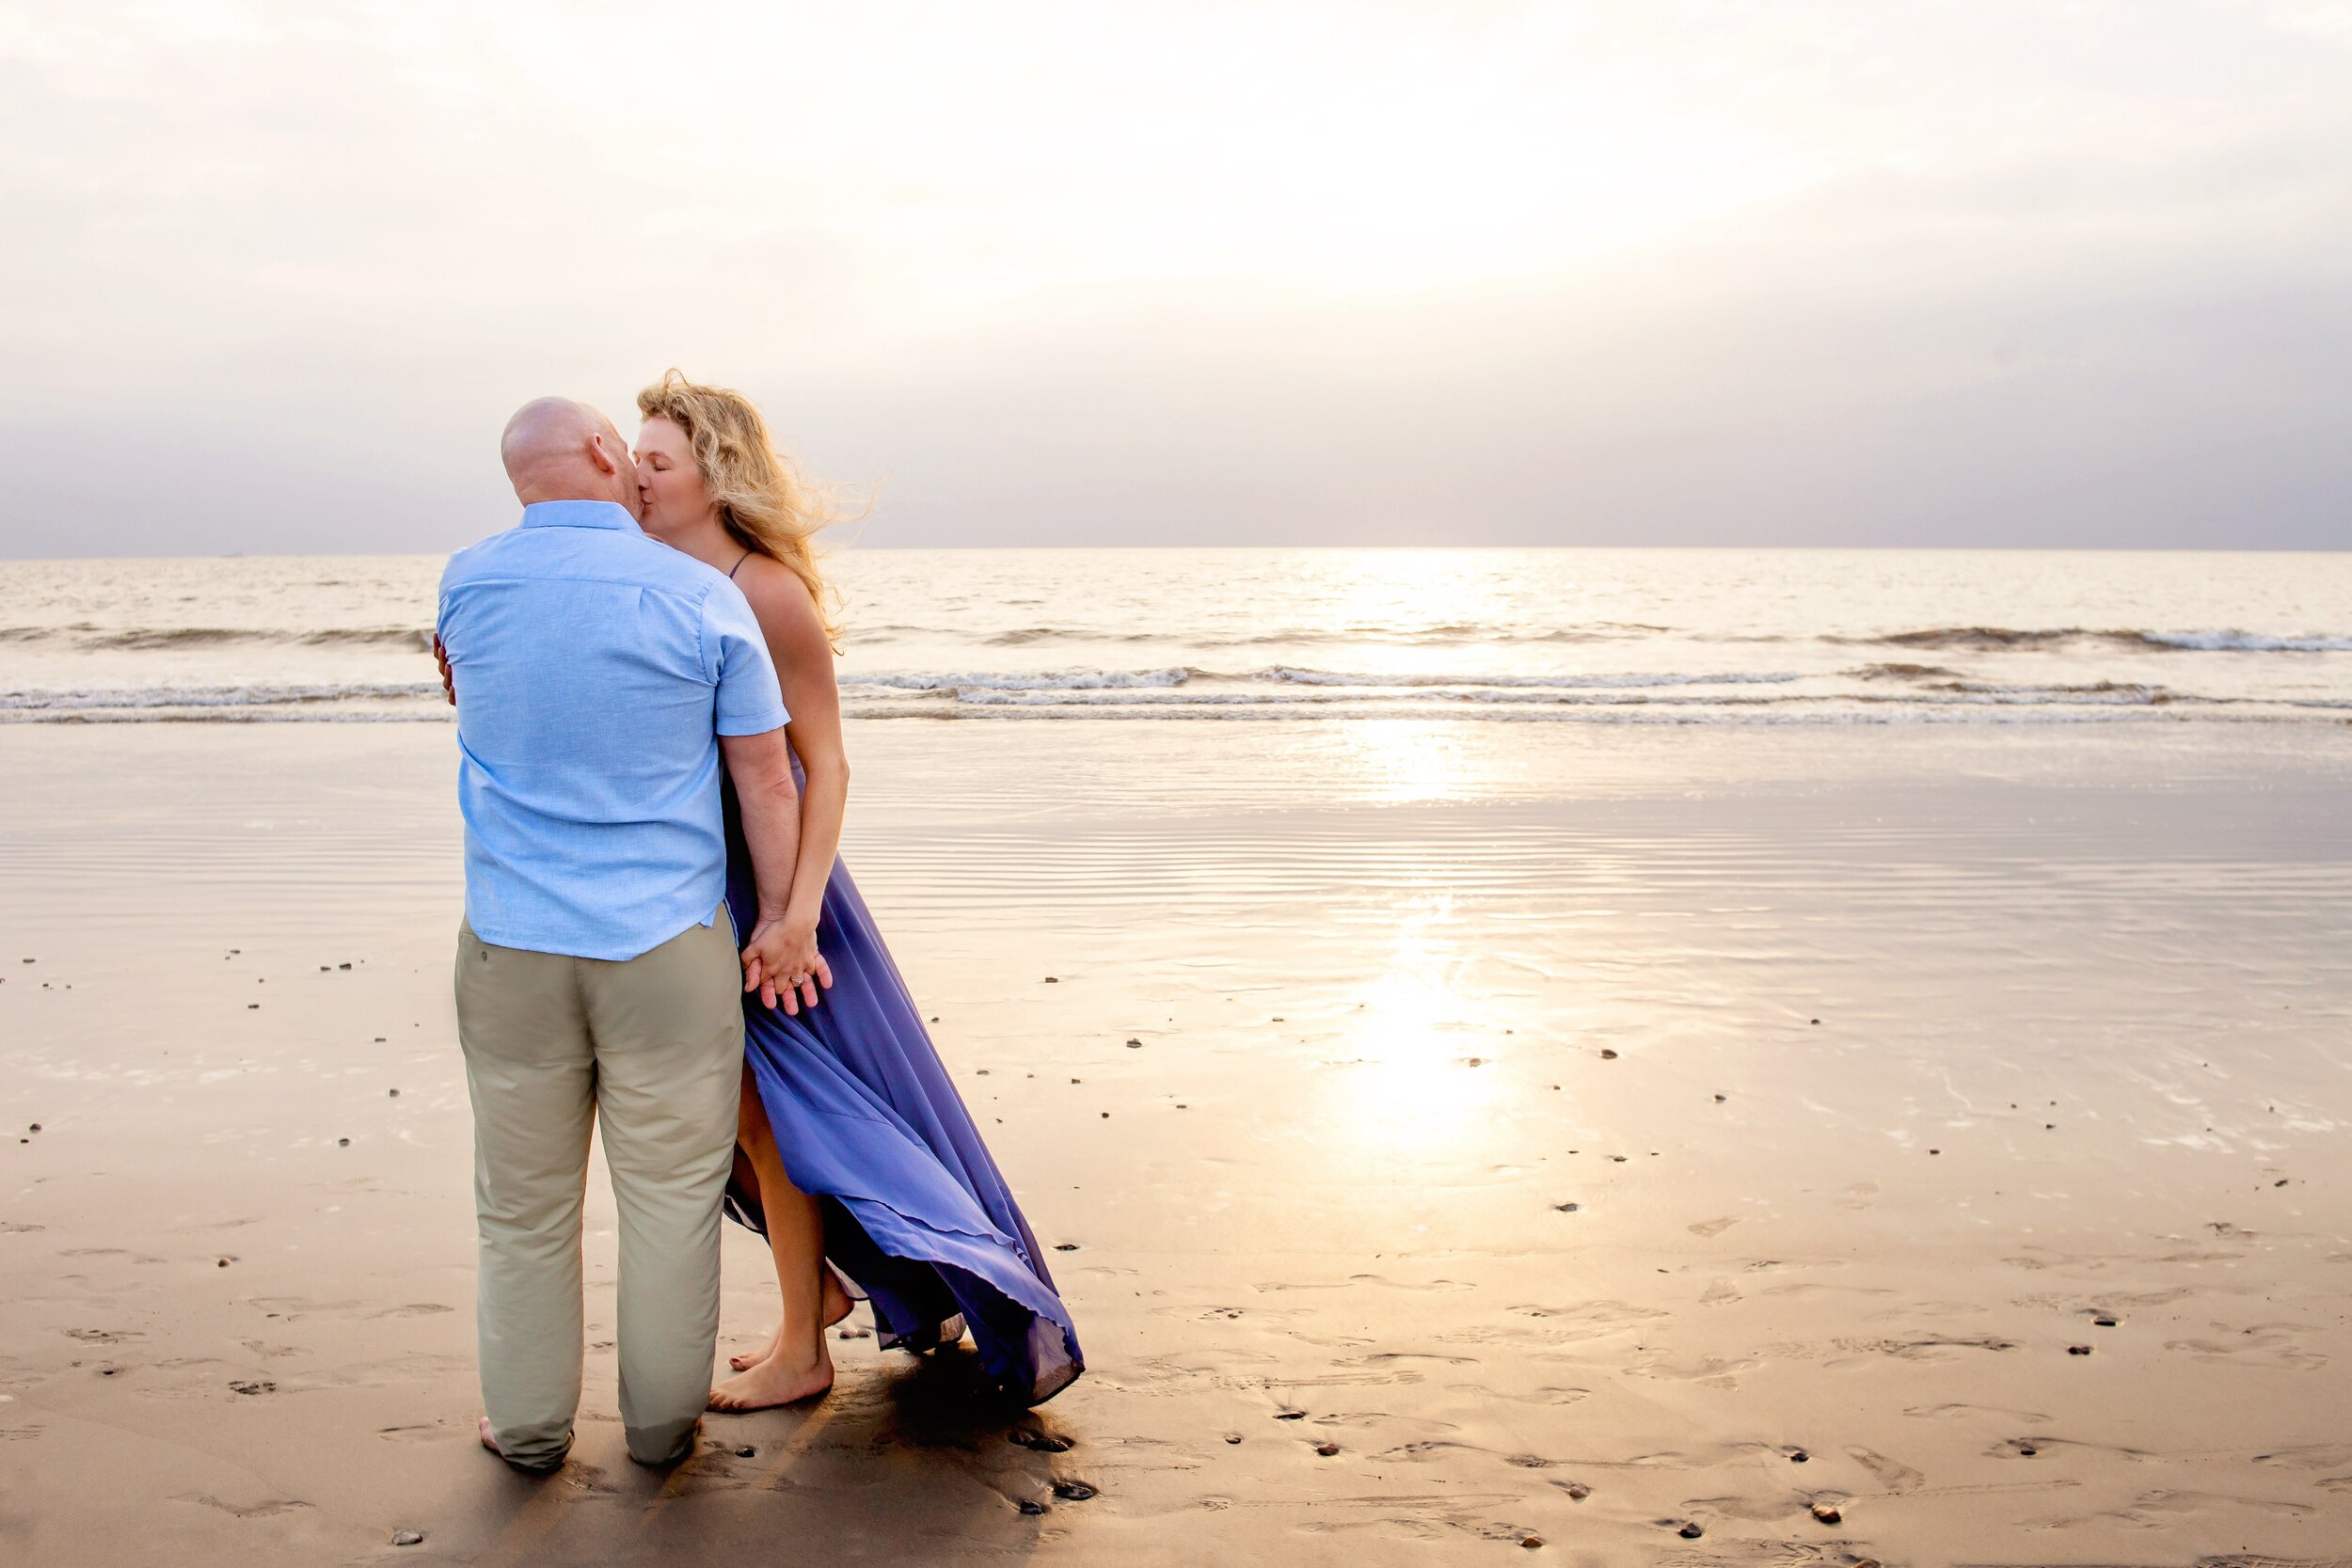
{"type": "Point", "coordinates": [750, 700]}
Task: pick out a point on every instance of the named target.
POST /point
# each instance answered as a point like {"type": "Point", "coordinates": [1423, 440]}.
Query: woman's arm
{"type": "Point", "coordinates": [803, 660]}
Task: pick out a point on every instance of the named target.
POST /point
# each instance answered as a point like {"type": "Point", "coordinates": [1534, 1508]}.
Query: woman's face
{"type": "Point", "coordinates": [671, 485]}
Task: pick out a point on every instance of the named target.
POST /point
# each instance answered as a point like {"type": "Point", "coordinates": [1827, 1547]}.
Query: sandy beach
{"type": "Point", "coordinates": [1634, 1146]}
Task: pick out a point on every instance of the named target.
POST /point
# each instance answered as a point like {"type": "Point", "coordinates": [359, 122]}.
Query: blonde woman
{"type": "Point", "coordinates": [856, 1156]}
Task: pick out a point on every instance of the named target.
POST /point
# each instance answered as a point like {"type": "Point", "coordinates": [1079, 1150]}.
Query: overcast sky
{"type": "Point", "coordinates": [1837, 272]}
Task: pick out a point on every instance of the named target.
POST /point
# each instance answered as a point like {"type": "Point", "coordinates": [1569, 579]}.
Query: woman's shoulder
{"type": "Point", "coordinates": [778, 596]}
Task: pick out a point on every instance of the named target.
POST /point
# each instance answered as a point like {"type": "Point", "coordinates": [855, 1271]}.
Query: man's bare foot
{"type": "Point", "coordinates": [487, 1441]}
{"type": "Point", "coordinates": [835, 1305]}
{"type": "Point", "coordinates": [775, 1381]}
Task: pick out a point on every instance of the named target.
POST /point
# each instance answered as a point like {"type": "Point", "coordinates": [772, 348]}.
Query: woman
{"type": "Point", "coordinates": [855, 1155]}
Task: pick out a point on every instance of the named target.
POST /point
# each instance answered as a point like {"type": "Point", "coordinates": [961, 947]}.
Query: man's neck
{"type": "Point", "coordinates": [532, 496]}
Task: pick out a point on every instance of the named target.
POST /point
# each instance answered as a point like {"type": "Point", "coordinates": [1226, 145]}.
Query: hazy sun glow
{"type": "Point", "coordinates": [1196, 271]}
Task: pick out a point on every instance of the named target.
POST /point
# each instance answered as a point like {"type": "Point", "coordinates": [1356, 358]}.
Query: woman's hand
{"type": "Point", "coordinates": [440, 657]}
{"type": "Point", "coordinates": [782, 960]}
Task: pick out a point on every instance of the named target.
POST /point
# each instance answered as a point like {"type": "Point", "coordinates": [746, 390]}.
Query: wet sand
{"type": "Point", "coordinates": [1467, 1140]}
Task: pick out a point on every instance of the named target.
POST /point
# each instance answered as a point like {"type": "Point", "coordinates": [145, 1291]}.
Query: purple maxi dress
{"type": "Point", "coordinates": [918, 1221]}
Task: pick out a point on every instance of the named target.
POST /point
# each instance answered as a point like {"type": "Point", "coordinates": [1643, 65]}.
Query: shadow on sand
{"type": "Point", "coordinates": [912, 1464]}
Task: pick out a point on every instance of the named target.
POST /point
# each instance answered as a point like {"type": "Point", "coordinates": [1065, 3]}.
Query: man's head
{"type": "Point", "coordinates": [556, 450]}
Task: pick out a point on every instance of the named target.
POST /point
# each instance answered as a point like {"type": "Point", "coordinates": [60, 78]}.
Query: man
{"type": "Point", "coordinates": [599, 675]}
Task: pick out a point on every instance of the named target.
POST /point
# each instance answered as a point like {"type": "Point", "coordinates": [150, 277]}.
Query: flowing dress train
{"type": "Point", "coordinates": [918, 1221]}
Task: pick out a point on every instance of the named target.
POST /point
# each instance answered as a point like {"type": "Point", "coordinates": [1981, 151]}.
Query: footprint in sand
{"type": "Point", "coordinates": [422, 1432]}
{"type": "Point", "coordinates": [1714, 1227]}
{"type": "Point", "coordinates": [2309, 1456]}
{"type": "Point", "coordinates": [1925, 1348]}
{"type": "Point", "coordinates": [2261, 1345]}
{"type": "Point", "coordinates": [1720, 1294]}
{"type": "Point", "coordinates": [1892, 1474]}
{"type": "Point", "coordinates": [1948, 1412]}
{"type": "Point", "coordinates": [1816, 1288]}
{"type": "Point", "coordinates": [1712, 1371]}
{"type": "Point", "coordinates": [263, 1509]}
{"type": "Point", "coordinates": [2164, 1509]}
{"type": "Point", "coordinates": [1525, 1396]}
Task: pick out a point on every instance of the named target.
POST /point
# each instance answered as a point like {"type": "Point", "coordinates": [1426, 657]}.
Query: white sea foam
{"type": "Point", "coordinates": [1685, 636]}
{"type": "Point", "coordinates": [1072, 680]}
{"type": "Point", "coordinates": [158, 697]}
{"type": "Point", "coordinates": [2247, 643]}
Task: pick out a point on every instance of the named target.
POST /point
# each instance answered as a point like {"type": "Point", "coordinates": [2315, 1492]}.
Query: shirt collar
{"type": "Point", "coordinates": [579, 514]}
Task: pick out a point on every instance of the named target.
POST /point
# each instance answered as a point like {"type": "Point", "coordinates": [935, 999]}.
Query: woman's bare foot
{"type": "Point", "coordinates": [837, 1305]}
{"type": "Point", "coordinates": [778, 1380]}
{"type": "Point", "coordinates": [746, 1362]}
{"type": "Point", "coordinates": [487, 1441]}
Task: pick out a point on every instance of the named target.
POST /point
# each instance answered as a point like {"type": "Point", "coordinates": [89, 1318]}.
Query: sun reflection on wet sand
{"type": "Point", "coordinates": [1416, 1060]}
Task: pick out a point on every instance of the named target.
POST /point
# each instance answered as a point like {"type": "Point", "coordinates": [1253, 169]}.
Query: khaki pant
{"type": "Point", "coordinates": [653, 1046]}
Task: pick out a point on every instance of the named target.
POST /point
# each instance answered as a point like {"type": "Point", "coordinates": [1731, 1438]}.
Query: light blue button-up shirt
{"type": "Point", "coordinates": [595, 669]}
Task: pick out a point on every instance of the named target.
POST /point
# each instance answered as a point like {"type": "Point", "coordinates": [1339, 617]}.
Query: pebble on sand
{"type": "Point", "coordinates": [1827, 1512]}
{"type": "Point", "coordinates": [1065, 1247]}
{"type": "Point", "coordinates": [35, 1126]}
{"type": "Point", "coordinates": [2078, 1349]}
{"type": "Point", "coordinates": [747, 1451]}
{"type": "Point", "coordinates": [1579, 1491]}
{"type": "Point", "coordinates": [408, 1538]}
{"type": "Point", "coordinates": [2104, 1321]}
{"type": "Point", "coordinates": [343, 1143]}
{"type": "Point", "coordinates": [1327, 1450]}
{"type": "Point", "coordinates": [1030, 1505]}
{"type": "Point", "coordinates": [1135, 1045]}
{"type": "Point", "coordinates": [1531, 1541]}
{"type": "Point", "coordinates": [1568, 1207]}
{"type": "Point", "coordinates": [1691, 1531]}
{"type": "Point", "coordinates": [1052, 980]}
{"type": "Point", "coordinates": [1798, 1456]}
{"type": "Point", "coordinates": [1607, 1055]}
{"type": "Point", "coordinates": [1072, 1491]}
{"type": "Point", "coordinates": [395, 1094]}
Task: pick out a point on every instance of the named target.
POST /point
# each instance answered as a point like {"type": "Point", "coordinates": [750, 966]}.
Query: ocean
{"type": "Point", "coordinates": [1632, 636]}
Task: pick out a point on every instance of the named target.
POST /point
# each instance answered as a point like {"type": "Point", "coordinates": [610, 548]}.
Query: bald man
{"type": "Point", "coordinates": [601, 679]}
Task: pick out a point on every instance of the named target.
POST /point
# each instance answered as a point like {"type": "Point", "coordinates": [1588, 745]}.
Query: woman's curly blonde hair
{"type": "Point", "coordinates": [764, 500]}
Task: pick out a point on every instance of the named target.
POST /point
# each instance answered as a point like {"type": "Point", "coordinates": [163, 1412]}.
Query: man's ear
{"type": "Point", "coordinates": [606, 462]}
